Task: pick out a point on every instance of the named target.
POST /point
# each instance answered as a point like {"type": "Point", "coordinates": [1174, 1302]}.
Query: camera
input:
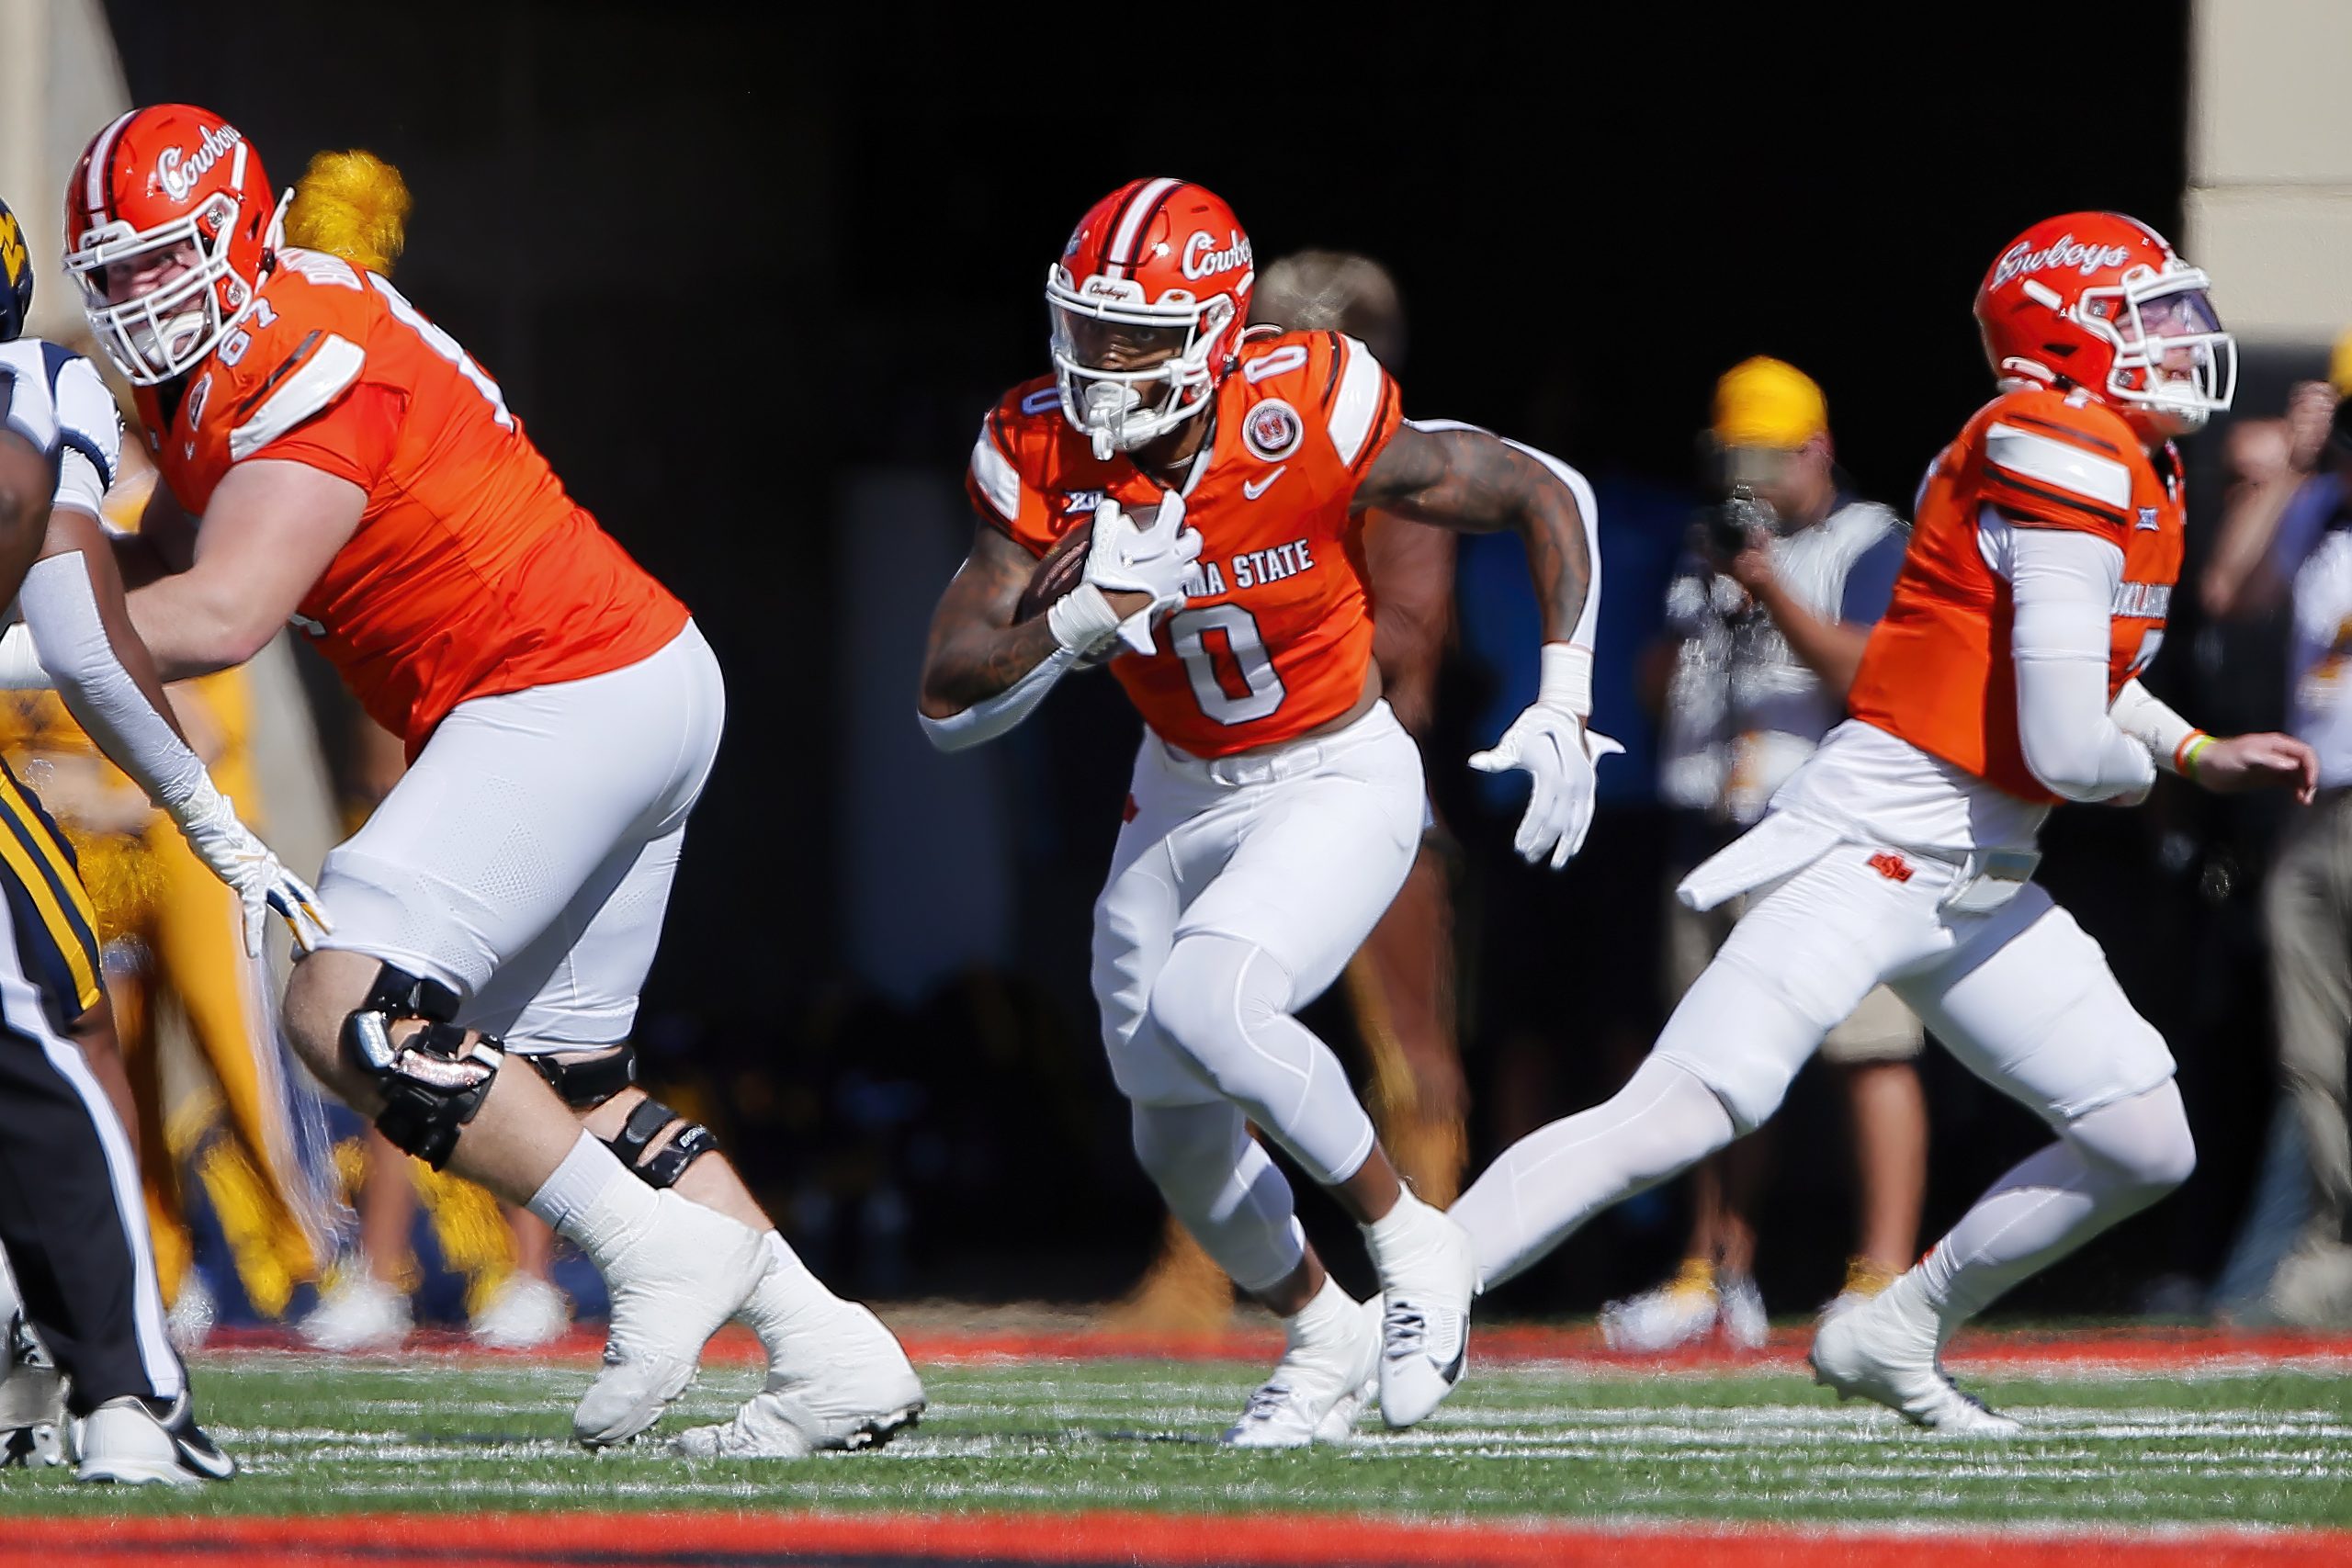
{"type": "Point", "coordinates": [1731, 521]}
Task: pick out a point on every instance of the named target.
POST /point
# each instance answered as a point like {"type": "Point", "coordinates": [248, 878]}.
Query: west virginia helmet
{"type": "Point", "coordinates": [15, 277]}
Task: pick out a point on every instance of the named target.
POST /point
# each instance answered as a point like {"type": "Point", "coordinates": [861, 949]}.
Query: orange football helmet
{"type": "Point", "coordinates": [1151, 292]}
{"type": "Point", "coordinates": [2099, 301]}
{"type": "Point", "coordinates": [170, 224]}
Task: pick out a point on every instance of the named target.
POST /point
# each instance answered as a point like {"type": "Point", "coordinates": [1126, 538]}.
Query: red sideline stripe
{"type": "Point", "coordinates": [2151, 1349]}
{"type": "Point", "coordinates": [1278, 1541]}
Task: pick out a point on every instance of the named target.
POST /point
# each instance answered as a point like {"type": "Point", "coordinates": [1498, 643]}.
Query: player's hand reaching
{"type": "Point", "coordinates": [1125, 559]}
{"type": "Point", "coordinates": [2228, 765]}
{"type": "Point", "coordinates": [252, 870]}
{"type": "Point", "coordinates": [1558, 755]}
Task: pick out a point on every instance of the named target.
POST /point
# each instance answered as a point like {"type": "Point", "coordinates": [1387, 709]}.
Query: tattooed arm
{"type": "Point", "coordinates": [1472, 482]}
{"type": "Point", "coordinates": [1475, 483]}
{"type": "Point", "coordinates": [981, 671]}
{"type": "Point", "coordinates": [976, 651]}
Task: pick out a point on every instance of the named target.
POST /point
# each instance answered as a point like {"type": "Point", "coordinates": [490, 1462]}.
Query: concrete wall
{"type": "Point", "coordinates": [60, 81]}
{"type": "Point", "coordinates": [2269, 199]}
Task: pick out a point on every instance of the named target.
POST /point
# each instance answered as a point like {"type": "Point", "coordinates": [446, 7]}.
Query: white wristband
{"type": "Point", "coordinates": [1082, 620]}
{"type": "Point", "coordinates": [1567, 677]}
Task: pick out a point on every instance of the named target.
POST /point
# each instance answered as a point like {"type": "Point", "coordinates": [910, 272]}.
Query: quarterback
{"type": "Point", "coordinates": [1221, 478]}
{"type": "Point", "coordinates": [2003, 680]}
{"type": "Point", "coordinates": [333, 458]}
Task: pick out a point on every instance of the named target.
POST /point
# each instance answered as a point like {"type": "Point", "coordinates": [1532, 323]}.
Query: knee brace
{"type": "Point", "coordinates": [647, 1122]}
{"type": "Point", "coordinates": [433, 1082]}
{"type": "Point", "coordinates": [586, 1084]}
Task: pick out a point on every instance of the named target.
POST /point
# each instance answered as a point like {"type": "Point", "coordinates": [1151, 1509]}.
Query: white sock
{"type": "Point", "coordinates": [1396, 1235]}
{"type": "Point", "coordinates": [1322, 1317]}
{"type": "Point", "coordinates": [593, 1201]}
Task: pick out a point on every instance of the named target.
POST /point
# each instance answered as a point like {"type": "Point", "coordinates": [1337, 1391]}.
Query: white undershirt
{"type": "Point", "coordinates": [1875, 786]}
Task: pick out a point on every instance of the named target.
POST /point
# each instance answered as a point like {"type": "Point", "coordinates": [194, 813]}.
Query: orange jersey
{"type": "Point", "coordinates": [1937, 671]}
{"type": "Point", "coordinates": [1276, 640]}
{"type": "Point", "coordinates": [472, 572]}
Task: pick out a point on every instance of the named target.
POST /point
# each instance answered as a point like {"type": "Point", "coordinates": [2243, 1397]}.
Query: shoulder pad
{"type": "Point", "coordinates": [28, 406]}
{"type": "Point", "coordinates": [1026, 422]}
{"type": "Point", "coordinates": [318, 267]}
{"type": "Point", "coordinates": [1329, 375]}
{"type": "Point", "coordinates": [993, 475]}
{"type": "Point", "coordinates": [301, 388]}
{"type": "Point", "coordinates": [88, 421]}
{"type": "Point", "coordinates": [2081, 451]}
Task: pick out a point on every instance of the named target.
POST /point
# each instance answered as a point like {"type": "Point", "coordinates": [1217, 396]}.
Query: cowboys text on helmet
{"type": "Point", "coordinates": [1146, 303]}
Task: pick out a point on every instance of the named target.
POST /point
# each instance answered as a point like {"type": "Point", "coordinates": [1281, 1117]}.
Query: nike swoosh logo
{"type": "Point", "coordinates": [1252, 492]}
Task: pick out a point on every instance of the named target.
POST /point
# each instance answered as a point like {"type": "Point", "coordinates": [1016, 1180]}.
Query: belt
{"type": "Point", "coordinates": [1274, 762]}
{"type": "Point", "coordinates": [1247, 768]}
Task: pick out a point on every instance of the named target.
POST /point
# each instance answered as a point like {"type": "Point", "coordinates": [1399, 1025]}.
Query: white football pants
{"type": "Point", "coordinates": [2020, 994]}
{"type": "Point", "coordinates": [525, 860]}
{"type": "Point", "coordinates": [1239, 890]}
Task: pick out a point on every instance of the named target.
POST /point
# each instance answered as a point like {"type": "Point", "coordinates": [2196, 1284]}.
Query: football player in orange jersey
{"type": "Point", "coordinates": [2002, 680]}
{"type": "Point", "coordinates": [1277, 803]}
{"type": "Point", "coordinates": [355, 470]}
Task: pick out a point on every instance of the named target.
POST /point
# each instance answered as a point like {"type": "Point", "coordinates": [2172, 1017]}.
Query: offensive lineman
{"type": "Point", "coordinates": [1277, 803]}
{"type": "Point", "coordinates": [348, 460]}
{"type": "Point", "coordinates": [2002, 681]}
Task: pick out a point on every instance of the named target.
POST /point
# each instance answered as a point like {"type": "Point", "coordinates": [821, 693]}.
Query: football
{"type": "Point", "coordinates": [1060, 569]}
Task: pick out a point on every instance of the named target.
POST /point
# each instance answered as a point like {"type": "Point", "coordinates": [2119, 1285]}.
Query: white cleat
{"type": "Point", "coordinates": [1886, 1349]}
{"type": "Point", "coordinates": [124, 1441]}
{"type": "Point", "coordinates": [859, 1391]}
{"type": "Point", "coordinates": [1741, 1313]}
{"type": "Point", "coordinates": [1665, 1317]}
{"type": "Point", "coordinates": [1318, 1387]}
{"type": "Point", "coordinates": [671, 1285]}
{"type": "Point", "coordinates": [1428, 1275]}
{"type": "Point", "coordinates": [358, 1312]}
{"type": "Point", "coordinates": [1341, 1424]}
{"type": "Point", "coordinates": [523, 1312]}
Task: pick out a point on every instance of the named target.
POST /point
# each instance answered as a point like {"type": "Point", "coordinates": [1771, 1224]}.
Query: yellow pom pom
{"type": "Point", "coordinates": [352, 205]}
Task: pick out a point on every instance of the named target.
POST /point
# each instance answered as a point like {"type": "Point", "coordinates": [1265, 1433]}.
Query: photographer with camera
{"type": "Point", "coordinates": [1766, 622]}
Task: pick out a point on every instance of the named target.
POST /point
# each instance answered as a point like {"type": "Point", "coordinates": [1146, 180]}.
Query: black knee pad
{"type": "Point", "coordinates": [646, 1123]}
{"type": "Point", "coordinates": [434, 1081]}
{"type": "Point", "coordinates": [583, 1086]}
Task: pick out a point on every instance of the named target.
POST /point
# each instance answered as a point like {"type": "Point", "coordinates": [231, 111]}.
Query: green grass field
{"type": "Point", "coordinates": [2236, 1446]}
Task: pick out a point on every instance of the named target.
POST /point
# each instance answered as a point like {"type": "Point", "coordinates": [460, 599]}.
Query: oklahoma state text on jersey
{"type": "Point", "coordinates": [1277, 637]}
{"type": "Point", "coordinates": [1937, 671]}
{"type": "Point", "coordinates": [471, 572]}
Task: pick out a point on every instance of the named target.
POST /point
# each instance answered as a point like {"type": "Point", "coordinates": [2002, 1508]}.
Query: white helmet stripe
{"type": "Point", "coordinates": [94, 189]}
{"type": "Point", "coordinates": [1120, 255]}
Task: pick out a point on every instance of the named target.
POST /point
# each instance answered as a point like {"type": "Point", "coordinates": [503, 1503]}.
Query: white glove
{"type": "Point", "coordinates": [1123, 558]}
{"type": "Point", "coordinates": [1558, 754]}
{"type": "Point", "coordinates": [210, 821]}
